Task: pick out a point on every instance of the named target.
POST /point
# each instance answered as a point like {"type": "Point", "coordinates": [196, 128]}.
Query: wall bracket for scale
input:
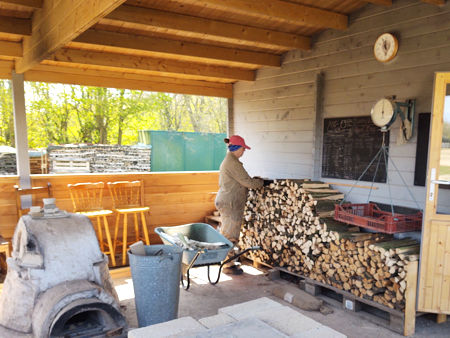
{"type": "Point", "coordinates": [385, 111]}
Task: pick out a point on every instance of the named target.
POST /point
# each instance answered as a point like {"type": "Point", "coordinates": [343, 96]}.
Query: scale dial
{"type": "Point", "coordinates": [382, 113]}
{"type": "Point", "coordinates": [385, 47]}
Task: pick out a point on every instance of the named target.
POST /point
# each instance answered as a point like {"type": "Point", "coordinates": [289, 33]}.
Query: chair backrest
{"type": "Point", "coordinates": [86, 196]}
{"type": "Point", "coordinates": [36, 193]}
{"type": "Point", "coordinates": [126, 194]}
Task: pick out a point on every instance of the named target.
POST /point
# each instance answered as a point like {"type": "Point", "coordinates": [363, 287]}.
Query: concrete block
{"type": "Point", "coordinates": [273, 274]}
{"type": "Point", "coordinates": [182, 326]}
{"type": "Point", "coordinates": [312, 289]}
{"type": "Point", "coordinates": [351, 304]}
{"type": "Point", "coordinates": [319, 332]}
{"type": "Point", "coordinates": [248, 309]}
{"type": "Point", "coordinates": [297, 297]}
{"type": "Point", "coordinates": [251, 327]}
{"type": "Point", "coordinates": [216, 320]}
{"type": "Point", "coordinates": [287, 320]}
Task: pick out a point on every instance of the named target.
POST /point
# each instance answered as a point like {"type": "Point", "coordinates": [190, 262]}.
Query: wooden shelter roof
{"type": "Point", "coordinates": [184, 46]}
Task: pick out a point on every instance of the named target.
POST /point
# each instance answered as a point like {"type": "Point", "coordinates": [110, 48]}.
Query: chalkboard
{"type": "Point", "coordinates": [349, 145]}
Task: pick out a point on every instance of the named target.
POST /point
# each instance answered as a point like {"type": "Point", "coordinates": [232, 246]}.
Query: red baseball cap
{"type": "Point", "coordinates": [238, 141]}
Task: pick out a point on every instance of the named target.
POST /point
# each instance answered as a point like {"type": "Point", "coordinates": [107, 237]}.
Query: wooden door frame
{"type": "Point", "coordinates": [430, 236]}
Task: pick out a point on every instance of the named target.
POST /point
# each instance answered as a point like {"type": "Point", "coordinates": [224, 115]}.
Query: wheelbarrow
{"type": "Point", "coordinates": [203, 233]}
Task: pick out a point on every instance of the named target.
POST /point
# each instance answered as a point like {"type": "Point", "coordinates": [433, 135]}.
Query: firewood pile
{"type": "Point", "coordinates": [101, 157]}
{"type": "Point", "coordinates": [290, 220]}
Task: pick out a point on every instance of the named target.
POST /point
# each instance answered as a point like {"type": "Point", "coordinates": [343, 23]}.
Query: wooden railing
{"type": "Point", "coordinates": [173, 198]}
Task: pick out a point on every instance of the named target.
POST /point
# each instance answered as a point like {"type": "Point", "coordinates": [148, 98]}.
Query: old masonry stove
{"type": "Point", "coordinates": [58, 283]}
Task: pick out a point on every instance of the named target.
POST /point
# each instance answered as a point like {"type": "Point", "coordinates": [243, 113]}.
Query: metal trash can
{"type": "Point", "coordinates": [156, 282]}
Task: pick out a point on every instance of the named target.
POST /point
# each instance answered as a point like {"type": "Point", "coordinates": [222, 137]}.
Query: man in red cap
{"type": "Point", "coordinates": [234, 183]}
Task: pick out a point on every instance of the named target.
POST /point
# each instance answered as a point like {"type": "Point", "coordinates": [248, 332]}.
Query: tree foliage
{"type": "Point", "coordinates": [61, 114]}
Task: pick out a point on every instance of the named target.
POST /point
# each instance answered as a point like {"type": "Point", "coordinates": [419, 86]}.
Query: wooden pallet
{"type": "Point", "coordinates": [256, 263]}
{"type": "Point", "coordinates": [395, 320]}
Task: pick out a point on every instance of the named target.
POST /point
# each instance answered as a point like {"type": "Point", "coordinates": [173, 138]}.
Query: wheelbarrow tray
{"type": "Point", "coordinates": [201, 232]}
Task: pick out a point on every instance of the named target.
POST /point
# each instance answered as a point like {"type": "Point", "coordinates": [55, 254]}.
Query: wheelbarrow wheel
{"type": "Point", "coordinates": [185, 283]}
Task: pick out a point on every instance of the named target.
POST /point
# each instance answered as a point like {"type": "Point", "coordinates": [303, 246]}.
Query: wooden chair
{"type": "Point", "coordinates": [87, 199]}
{"type": "Point", "coordinates": [37, 195]}
{"type": "Point", "coordinates": [127, 200]}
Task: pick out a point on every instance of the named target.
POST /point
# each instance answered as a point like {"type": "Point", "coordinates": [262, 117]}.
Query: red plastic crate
{"type": "Point", "coordinates": [370, 216]}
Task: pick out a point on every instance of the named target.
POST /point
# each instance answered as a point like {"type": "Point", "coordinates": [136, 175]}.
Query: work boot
{"type": "Point", "coordinates": [232, 270]}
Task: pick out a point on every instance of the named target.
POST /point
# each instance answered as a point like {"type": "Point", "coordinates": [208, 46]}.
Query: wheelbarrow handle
{"type": "Point", "coordinates": [253, 248]}
{"type": "Point", "coordinates": [191, 263]}
{"type": "Point", "coordinates": [198, 253]}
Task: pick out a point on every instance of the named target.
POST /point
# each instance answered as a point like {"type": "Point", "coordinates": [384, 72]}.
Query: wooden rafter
{"type": "Point", "coordinates": [178, 48]}
{"type": "Point", "coordinates": [26, 3]}
{"type": "Point", "coordinates": [380, 2]}
{"type": "Point", "coordinates": [206, 28]}
{"type": "Point", "coordinates": [12, 49]}
{"type": "Point", "coordinates": [435, 2]}
{"type": "Point", "coordinates": [101, 78]}
{"type": "Point", "coordinates": [57, 23]}
{"type": "Point", "coordinates": [277, 10]}
{"type": "Point", "coordinates": [168, 67]}
{"type": "Point", "coordinates": [15, 25]}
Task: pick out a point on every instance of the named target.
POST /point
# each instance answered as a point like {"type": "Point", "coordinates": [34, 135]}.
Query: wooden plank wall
{"type": "Point", "coordinates": [276, 113]}
{"type": "Point", "coordinates": [173, 198]}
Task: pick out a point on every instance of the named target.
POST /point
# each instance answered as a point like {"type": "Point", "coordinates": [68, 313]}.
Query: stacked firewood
{"type": "Point", "coordinates": [284, 218]}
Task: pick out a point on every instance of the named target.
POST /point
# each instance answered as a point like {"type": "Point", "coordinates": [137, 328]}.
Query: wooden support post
{"type": "Point", "coordinates": [318, 132]}
{"type": "Point", "coordinates": [20, 131]}
{"type": "Point", "coordinates": [230, 117]}
{"type": "Point", "coordinates": [410, 299]}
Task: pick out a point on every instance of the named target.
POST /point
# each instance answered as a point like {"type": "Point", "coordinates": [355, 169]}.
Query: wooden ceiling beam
{"type": "Point", "coordinates": [178, 48]}
{"type": "Point", "coordinates": [101, 78]}
{"type": "Point", "coordinates": [283, 11]}
{"type": "Point", "coordinates": [16, 26]}
{"type": "Point", "coordinates": [168, 67]}
{"type": "Point", "coordinates": [10, 48]}
{"type": "Point", "coordinates": [380, 2]}
{"type": "Point", "coordinates": [435, 2]}
{"type": "Point", "coordinates": [57, 23]}
{"type": "Point", "coordinates": [206, 28]}
{"type": "Point", "coordinates": [6, 66]}
{"type": "Point", "coordinates": [26, 3]}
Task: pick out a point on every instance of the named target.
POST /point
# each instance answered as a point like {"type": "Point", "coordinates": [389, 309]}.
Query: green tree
{"type": "Point", "coordinates": [6, 114]}
{"type": "Point", "coordinates": [59, 114]}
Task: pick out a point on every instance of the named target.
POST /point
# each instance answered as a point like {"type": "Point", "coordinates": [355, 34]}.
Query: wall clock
{"type": "Point", "coordinates": [385, 47]}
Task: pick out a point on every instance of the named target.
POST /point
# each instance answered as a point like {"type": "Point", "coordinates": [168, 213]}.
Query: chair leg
{"type": "Point", "coordinates": [124, 239]}
{"type": "Point", "coordinates": [100, 234]}
{"type": "Point", "coordinates": [144, 226]}
{"type": "Point", "coordinates": [116, 231]}
{"type": "Point", "coordinates": [108, 238]}
{"type": "Point", "coordinates": [136, 226]}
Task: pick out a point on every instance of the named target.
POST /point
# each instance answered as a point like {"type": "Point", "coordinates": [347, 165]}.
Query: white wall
{"type": "Point", "coordinates": [276, 113]}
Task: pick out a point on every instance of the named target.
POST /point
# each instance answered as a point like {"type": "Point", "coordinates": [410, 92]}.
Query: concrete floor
{"type": "Point", "coordinates": [203, 300]}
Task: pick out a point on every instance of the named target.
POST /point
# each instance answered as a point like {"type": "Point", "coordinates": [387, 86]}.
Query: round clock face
{"type": "Point", "coordinates": [385, 47]}
{"type": "Point", "coordinates": [382, 112]}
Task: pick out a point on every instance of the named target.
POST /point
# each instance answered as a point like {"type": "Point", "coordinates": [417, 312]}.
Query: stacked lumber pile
{"type": "Point", "coordinates": [283, 219]}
